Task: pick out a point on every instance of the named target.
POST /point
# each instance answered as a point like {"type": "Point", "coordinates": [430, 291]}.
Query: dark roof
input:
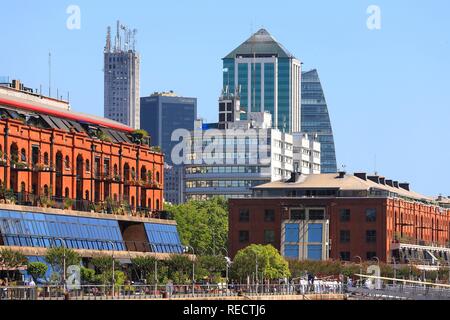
{"type": "Point", "coordinates": [260, 43]}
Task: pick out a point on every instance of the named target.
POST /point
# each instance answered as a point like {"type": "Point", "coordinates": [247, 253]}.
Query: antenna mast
{"type": "Point", "coordinates": [49, 74]}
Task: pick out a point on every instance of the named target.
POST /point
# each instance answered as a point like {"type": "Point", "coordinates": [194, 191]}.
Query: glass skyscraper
{"type": "Point", "coordinates": [316, 120]}
{"type": "Point", "coordinates": [267, 78]}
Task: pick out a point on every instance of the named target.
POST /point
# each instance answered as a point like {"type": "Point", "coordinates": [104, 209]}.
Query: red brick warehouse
{"type": "Point", "coordinates": [368, 216]}
{"type": "Point", "coordinates": [47, 148]}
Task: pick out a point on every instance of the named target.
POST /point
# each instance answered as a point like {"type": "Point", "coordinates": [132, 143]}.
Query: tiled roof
{"type": "Point", "coordinates": [346, 182]}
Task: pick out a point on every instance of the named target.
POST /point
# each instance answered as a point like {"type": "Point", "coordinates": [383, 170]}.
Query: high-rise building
{"type": "Point", "coordinates": [121, 77]}
{"type": "Point", "coordinates": [267, 78]}
{"type": "Point", "coordinates": [162, 114]}
{"type": "Point", "coordinates": [252, 153]}
{"type": "Point", "coordinates": [316, 119]}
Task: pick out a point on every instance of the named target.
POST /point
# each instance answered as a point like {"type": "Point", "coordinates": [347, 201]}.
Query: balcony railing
{"type": "Point", "coordinates": [105, 207]}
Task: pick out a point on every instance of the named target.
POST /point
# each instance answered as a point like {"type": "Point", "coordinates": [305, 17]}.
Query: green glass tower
{"type": "Point", "coordinates": [267, 78]}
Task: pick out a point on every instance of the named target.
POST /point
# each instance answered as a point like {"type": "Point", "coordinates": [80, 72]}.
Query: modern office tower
{"type": "Point", "coordinates": [161, 114]}
{"type": "Point", "coordinates": [121, 77]}
{"type": "Point", "coordinates": [268, 79]}
{"type": "Point", "coordinates": [316, 119]}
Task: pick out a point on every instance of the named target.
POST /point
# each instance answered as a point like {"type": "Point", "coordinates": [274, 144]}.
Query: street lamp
{"type": "Point", "coordinates": [193, 267]}
{"type": "Point", "coordinates": [113, 270]}
{"type": "Point", "coordinates": [63, 242]}
{"type": "Point", "coordinates": [360, 269]}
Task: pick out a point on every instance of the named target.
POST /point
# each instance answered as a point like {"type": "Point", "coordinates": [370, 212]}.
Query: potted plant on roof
{"type": "Point", "coordinates": [139, 135]}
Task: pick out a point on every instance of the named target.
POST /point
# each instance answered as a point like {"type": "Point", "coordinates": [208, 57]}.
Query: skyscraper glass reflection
{"type": "Point", "coordinates": [316, 119]}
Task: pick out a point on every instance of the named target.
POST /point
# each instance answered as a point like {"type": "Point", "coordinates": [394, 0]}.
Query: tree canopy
{"type": "Point", "coordinates": [202, 224]}
{"type": "Point", "coordinates": [271, 265]}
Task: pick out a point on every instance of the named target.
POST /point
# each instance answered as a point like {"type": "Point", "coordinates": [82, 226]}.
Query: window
{"type": "Point", "coordinates": [46, 158]}
{"type": "Point", "coordinates": [314, 252]}
{"type": "Point", "coordinates": [291, 251]}
{"type": "Point", "coordinates": [371, 215]}
{"type": "Point", "coordinates": [244, 236]}
{"type": "Point", "coordinates": [269, 236]}
{"type": "Point", "coordinates": [88, 166]}
{"type": "Point", "coordinates": [67, 163]}
{"type": "Point", "coordinates": [315, 231]}
{"type": "Point", "coordinates": [316, 214]}
{"type": "Point", "coordinates": [269, 215]}
{"type": "Point", "coordinates": [244, 215]}
{"type": "Point", "coordinates": [344, 215]}
{"type": "Point", "coordinates": [23, 155]}
{"type": "Point", "coordinates": [298, 214]}
{"type": "Point", "coordinates": [345, 256]}
{"type": "Point", "coordinates": [370, 255]}
{"type": "Point", "coordinates": [344, 236]}
{"type": "Point", "coordinates": [371, 236]}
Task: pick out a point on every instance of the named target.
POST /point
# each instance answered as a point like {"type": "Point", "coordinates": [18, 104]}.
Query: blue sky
{"type": "Point", "coordinates": [387, 90]}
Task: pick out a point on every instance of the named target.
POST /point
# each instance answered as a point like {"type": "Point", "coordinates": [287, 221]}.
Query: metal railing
{"type": "Point", "coordinates": [58, 202]}
{"type": "Point", "coordinates": [168, 291]}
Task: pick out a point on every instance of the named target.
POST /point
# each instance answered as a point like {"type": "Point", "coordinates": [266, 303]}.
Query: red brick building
{"type": "Point", "coordinates": [48, 149]}
{"type": "Point", "coordinates": [365, 216]}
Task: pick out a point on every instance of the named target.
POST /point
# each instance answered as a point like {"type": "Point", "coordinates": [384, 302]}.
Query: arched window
{"type": "Point", "coordinates": [67, 162]}
{"type": "Point", "coordinates": [157, 177]}
{"type": "Point", "coordinates": [157, 204]}
{"type": "Point", "coordinates": [14, 153]}
{"type": "Point", "coordinates": [133, 173]}
{"type": "Point", "coordinates": [22, 186]}
{"type": "Point", "coordinates": [23, 155]}
{"type": "Point", "coordinates": [46, 190]}
{"type": "Point", "coordinates": [86, 195]}
{"type": "Point", "coordinates": [144, 173]}
{"type": "Point", "coordinates": [150, 203]}
{"type": "Point", "coordinates": [46, 158]}
{"type": "Point", "coordinates": [88, 166]}
{"type": "Point", "coordinates": [116, 170]}
{"type": "Point", "coordinates": [126, 172]}
{"type": "Point", "coordinates": [66, 193]}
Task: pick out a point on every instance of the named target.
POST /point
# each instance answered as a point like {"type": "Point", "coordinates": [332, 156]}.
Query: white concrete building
{"type": "Point", "coordinates": [248, 153]}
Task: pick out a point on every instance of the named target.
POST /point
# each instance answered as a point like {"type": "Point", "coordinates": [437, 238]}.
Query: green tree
{"type": "Point", "coordinates": [37, 270]}
{"type": "Point", "coordinates": [144, 266]}
{"type": "Point", "coordinates": [87, 275]}
{"type": "Point", "coordinates": [211, 267]}
{"type": "Point", "coordinates": [55, 257]}
{"type": "Point", "coordinates": [202, 224]}
{"type": "Point", "coordinates": [12, 260]}
{"type": "Point", "coordinates": [180, 269]}
{"type": "Point", "coordinates": [270, 263]}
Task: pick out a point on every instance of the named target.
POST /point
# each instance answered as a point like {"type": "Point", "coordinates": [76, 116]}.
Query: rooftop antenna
{"type": "Point", "coordinates": [375, 165]}
{"type": "Point", "coordinates": [49, 74]}
{"type": "Point", "coordinates": [108, 40]}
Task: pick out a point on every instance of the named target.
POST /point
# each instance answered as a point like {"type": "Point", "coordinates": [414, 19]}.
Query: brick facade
{"type": "Point", "coordinates": [72, 165]}
{"type": "Point", "coordinates": [394, 217]}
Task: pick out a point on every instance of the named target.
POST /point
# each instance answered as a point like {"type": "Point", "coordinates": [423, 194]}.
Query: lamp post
{"type": "Point", "coordinates": [113, 270]}
{"type": "Point", "coordinates": [360, 269]}
{"type": "Point", "coordinates": [193, 267]}
{"type": "Point", "coordinates": [228, 260]}
{"type": "Point", "coordinates": [63, 242]}
{"type": "Point", "coordinates": [256, 273]}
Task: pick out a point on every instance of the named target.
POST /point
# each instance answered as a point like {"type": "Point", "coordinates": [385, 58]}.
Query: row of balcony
{"type": "Point", "coordinates": [108, 206]}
